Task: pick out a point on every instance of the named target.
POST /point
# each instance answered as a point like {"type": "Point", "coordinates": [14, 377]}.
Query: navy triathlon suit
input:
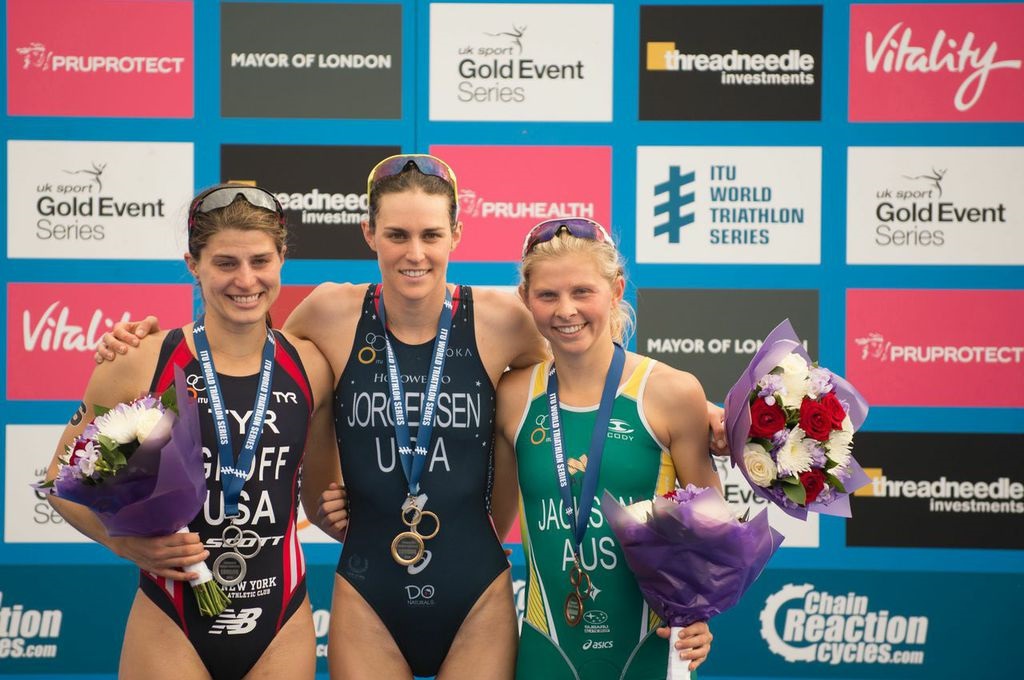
{"type": "Point", "coordinates": [423, 604]}
{"type": "Point", "coordinates": [275, 582]}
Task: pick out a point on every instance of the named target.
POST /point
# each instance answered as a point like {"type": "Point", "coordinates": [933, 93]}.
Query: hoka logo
{"type": "Point", "coordinates": [674, 203]}
{"type": "Point", "coordinates": [236, 623]}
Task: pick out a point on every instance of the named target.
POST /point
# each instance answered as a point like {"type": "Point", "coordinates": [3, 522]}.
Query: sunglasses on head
{"type": "Point", "coordinates": [221, 197]}
{"type": "Point", "coordinates": [425, 163]}
{"type": "Point", "coordinates": [580, 227]}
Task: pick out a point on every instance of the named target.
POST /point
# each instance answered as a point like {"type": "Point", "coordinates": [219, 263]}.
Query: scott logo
{"type": "Point", "coordinates": [236, 624]}
{"type": "Point", "coordinates": [595, 617]}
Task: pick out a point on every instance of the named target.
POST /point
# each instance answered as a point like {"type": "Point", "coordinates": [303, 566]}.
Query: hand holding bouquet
{"type": "Point", "coordinates": [139, 468]}
{"type": "Point", "coordinates": [691, 557]}
{"type": "Point", "coordinates": [790, 426]}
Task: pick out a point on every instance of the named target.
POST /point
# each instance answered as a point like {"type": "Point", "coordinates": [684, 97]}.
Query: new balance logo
{"type": "Point", "coordinates": [674, 203]}
{"type": "Point", "coordinates": [236, 623]}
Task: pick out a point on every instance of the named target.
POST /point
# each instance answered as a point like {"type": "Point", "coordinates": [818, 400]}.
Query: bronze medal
{"type": "Point", "coordinates": [573, 609]}
{"type": "Point", "coordinates": [580, 580]}
{"type": "Point", "coordinates": [407, 548]}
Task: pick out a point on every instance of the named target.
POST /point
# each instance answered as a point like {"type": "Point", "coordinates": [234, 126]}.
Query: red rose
{"type": "Point", "coordinates": [836, 412]}
{"type": "Point", "coordinates": [813, 482]}
{"type": "Point", "coordinates": [815, 420]}
{"type": "Point", "coordinates": [766, 420]}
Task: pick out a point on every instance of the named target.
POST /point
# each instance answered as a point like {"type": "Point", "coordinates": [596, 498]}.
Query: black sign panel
{"type": "Point", "coordinates": [311, 60]}
{"type": "Point", "coordinates": [735, 62]}
{"type": "Point", "coordinates": [714, 333]}
{"type": "Point", "coordinates": [322, 188]}
{"type": "Point", "coordinates": [939, 490]}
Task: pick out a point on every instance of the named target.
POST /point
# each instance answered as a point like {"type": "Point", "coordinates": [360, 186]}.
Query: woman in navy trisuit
{"type": "Point", "coordinates": [236, 250]}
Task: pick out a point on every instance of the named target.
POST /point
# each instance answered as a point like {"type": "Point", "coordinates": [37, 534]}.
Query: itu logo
{"type": "Point", "coordinates": [678, 192]}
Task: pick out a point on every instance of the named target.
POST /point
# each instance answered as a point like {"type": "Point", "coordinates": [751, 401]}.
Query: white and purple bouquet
{"type": "Point", "coordinates": [139, 467]}
{"type": "Point", "coordinates": [790, 426]}
{"type": "Point", "coordinates": [691, 557]}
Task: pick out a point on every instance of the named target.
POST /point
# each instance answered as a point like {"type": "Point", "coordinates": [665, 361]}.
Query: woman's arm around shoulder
{"type": "Point", "coordinates": [321, 310]}
{"type": "Point", "coordinates": [506, 329]}
{"type": "Point", "coordinates": [321, 470]}
{"type": "Point", "coordinates": [677, 412]}
{"type": "Point", "coordinates": [513, 392]}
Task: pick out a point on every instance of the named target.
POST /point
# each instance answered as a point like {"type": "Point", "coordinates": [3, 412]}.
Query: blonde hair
{"type": "Point", "coordinates": [610, 266]}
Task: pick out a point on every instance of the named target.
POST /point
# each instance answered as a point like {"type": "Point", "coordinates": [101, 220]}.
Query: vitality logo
{"type": "Point", "coordinates": [675, 201]}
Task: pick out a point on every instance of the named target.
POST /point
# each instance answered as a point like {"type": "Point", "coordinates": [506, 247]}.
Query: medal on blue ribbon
{"type": "Point", "coordinates": [407, 548]}
{"type": "Point", "coordinates": [578, 578]}
{"type": "Point", "coordinates": [230, 568]}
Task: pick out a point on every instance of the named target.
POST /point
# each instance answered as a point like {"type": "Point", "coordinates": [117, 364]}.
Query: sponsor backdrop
{"type": "Point", "coordinates": [856, 167]}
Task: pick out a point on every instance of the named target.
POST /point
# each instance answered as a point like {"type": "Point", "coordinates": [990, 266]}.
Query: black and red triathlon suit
{"type": "Point", "coordinates": [424, 604]}
{"type": "Point", "coordinates": [275, 583]}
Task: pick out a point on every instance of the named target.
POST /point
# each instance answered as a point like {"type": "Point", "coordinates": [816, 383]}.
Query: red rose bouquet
{"type": "Point", "coordinates": [790, 426]}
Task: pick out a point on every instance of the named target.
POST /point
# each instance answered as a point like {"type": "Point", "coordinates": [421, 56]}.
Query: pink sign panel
{"type": "Point", "coordinates": [937, 62]}
{"type": "Point", "coordinates": [505, 190]}
{"type": "Point", "coordinates": [100, 58]}
{"type": "Point", "coordinates": [53, 328]}
{"type": "Point", "coordinates": [936, 347]}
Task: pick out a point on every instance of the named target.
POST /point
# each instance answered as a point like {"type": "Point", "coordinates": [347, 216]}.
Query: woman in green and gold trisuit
{"type": "Point", "coordinates": [604, 419]}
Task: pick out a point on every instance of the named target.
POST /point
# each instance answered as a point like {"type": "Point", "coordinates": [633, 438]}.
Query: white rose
{"type": "Point", "coordinates": [641, 510]}
{"type": "Point", "coordinates": [760, 466]}
{"type": "Point", "coordinates": [147, 420]}
{"type": "Point", "coordinates": [795, 374]}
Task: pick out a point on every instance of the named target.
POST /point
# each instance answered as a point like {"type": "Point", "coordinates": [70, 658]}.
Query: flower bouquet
{"type": "Point", "coordinates": [691, 557]}
{"type": "Point", "coordinates": [139, 468]}
{"type": "Point", "coordinates": [790, 426]}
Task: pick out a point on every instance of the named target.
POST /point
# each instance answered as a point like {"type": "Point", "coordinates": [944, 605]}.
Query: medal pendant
{"type": "Point", "coordinates": [229, 569]}
{"type": "Point", "coordinates": [407, 548]}
{"type": "Point", "coordinates": [573, 609]}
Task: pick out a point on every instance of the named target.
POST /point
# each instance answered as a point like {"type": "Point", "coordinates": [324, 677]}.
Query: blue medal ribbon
{"type": "Point", "coordinates": [597, 441]}
{"type": "Point", "coordinates": [414, 459]}
{"type": "Point", "coordinates": [232, 473]}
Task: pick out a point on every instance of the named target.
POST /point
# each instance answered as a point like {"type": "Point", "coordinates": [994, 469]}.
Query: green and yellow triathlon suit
{"type": "Point", "coordinates": [616, 637]}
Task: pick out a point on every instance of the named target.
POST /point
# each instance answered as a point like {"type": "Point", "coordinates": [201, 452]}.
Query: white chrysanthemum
{"type": "Point", "coordinates": [793, 457]}
{"type": "Point", "coordinates": [641, 510]}
{"type": "Point", "coordinates": [839, 446]}
{"type": "Point", "coordinates": [147, 420]}
{"type": "Point", "coordinates": [120, 424]}
{"type": "Point", "coordinates": [795, 373]}
{"type": "Point", "coordinates": [760, 466]}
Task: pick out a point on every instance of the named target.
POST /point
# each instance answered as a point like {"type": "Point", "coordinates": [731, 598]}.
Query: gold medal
{"type": "Point", "coordinates": [407, 547]}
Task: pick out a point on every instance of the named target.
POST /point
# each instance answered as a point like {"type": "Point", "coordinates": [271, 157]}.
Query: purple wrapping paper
{"type": "Point", "coordinates": [780, 342]}
{"type": "Point", "coordinates": [692, 560]}
{"type": "Point", "coordinates": [164, 485]}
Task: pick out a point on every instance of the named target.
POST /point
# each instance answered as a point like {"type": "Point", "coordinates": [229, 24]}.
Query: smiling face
{"type": "Point", "coordinates": [413, 239]}
{"type": "Point", "coordinates": [572, 302]}
{"type": "Point", "coordinates": [239, 273]}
